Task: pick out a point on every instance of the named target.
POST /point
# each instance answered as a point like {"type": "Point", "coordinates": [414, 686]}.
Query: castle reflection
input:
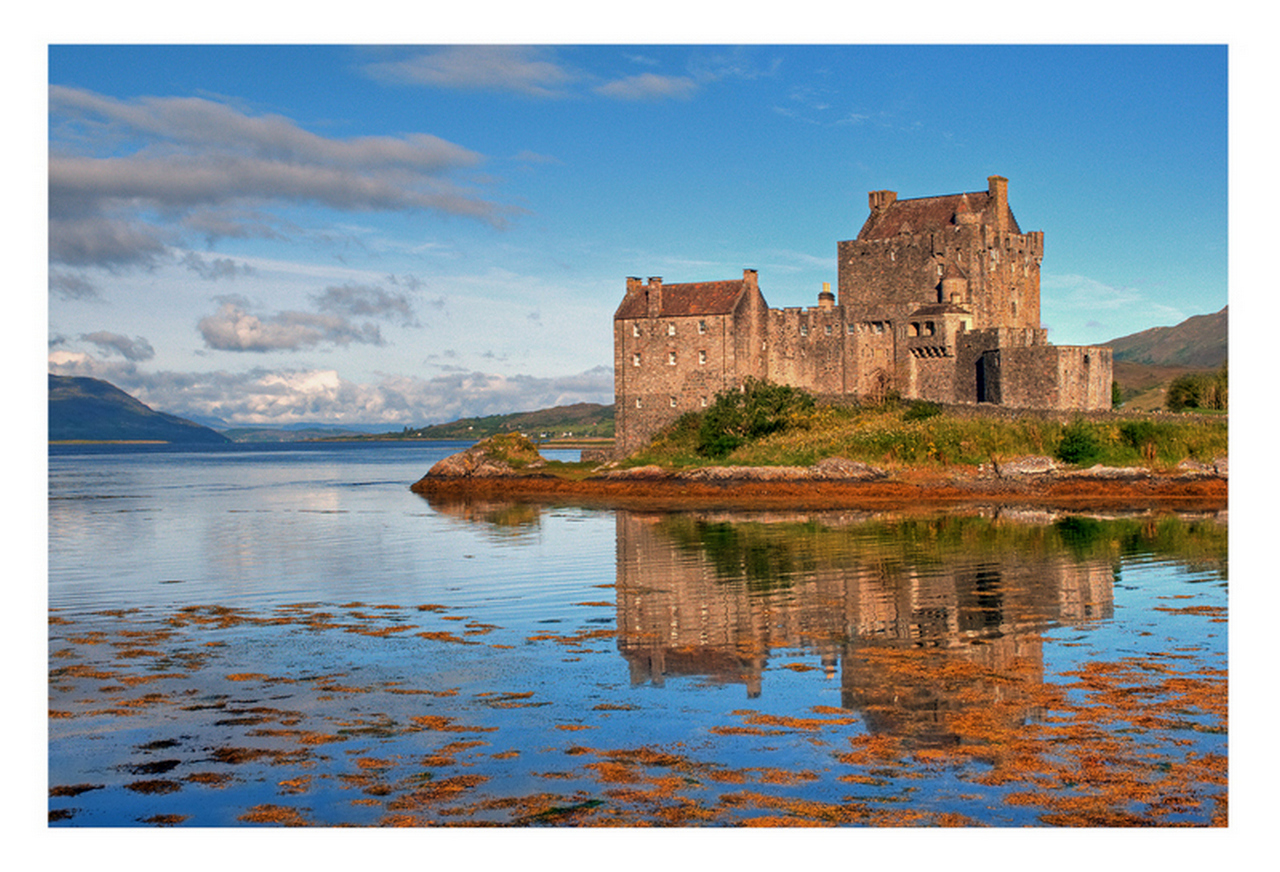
{"type": "Point", "coordinates": [924, 621]}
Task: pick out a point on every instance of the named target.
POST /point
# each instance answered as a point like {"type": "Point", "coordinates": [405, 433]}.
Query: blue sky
{"type": "Point", "coordinates": [404, 235]}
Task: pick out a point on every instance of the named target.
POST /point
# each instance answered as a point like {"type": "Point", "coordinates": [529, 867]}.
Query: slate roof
{"type": "Point", "coordinates": [925, 214]}
{"type": "Point", "coordinates": [682, 300]}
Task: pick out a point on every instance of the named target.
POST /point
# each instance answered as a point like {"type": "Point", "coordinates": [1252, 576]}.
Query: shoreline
{"type": "Point", "coordinates": [1077, 490]}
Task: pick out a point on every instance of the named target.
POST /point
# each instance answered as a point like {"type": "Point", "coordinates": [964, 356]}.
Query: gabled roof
{"type": "Point", "coordinates": [693, 298]}
{"type": "Point", "coordinates": [925, 214]}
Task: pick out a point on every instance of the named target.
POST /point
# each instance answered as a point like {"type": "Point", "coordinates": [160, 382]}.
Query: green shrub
{"type": "Point", "coordinates": [742, 415]}
{"type": "Point", "coordinates": [921, 410]}
{"type": "Point", "coordinates": [1078, 445]}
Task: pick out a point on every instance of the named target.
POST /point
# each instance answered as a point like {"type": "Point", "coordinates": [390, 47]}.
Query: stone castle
{"type": "Point", "coordinates": [938, 299]}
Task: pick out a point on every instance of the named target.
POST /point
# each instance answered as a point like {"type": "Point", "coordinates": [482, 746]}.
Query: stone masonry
{"type": "Point", "coordinates": [938, 299]}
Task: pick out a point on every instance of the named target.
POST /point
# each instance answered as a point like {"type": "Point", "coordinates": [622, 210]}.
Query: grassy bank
{"type": "Point", "coordinates": [924, 435]}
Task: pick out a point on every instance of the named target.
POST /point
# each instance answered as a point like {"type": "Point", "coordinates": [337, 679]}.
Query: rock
{"type": "Point", "coordinates": [490, 458]}
{"type": "Point", "coordinates": [1110, 472]}
{"type": "Point", "coordinates": [1194, 468]}
{"type": "Point", "coordinates": [638, 473]}
{"type": "Point", "coordinates": [843, 469]}
{"type": "Point", "coordinates": [1030, 464]}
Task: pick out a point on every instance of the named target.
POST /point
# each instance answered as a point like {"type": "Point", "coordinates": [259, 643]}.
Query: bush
{"type": "Point", "coordinates": [1193, 391]}
{"type": "Point", "coordinates": [742, 415]}
{"type": "Point", "coordinates": [1078, 445]}
{"type": "Point", "coordinates": [921, 410]}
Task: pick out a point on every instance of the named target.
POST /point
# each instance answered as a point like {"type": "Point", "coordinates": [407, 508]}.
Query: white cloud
{"type": "Point", "coordinates": [649, 86]}
{"type": "Point", "coordinates": [232, 328]}
{"type": "Point", "coordinates": [322, 396]}
{"type": "Point", "coordinates": [128, 177]}
{"type": "Point", "coordinates": [136, 348]}
{"type": "Point", "coordinates": [521, 69]}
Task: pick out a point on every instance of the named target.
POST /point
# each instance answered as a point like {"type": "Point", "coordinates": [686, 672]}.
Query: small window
{"type": "Point", "coordinates": [635, 329]}
{"type": "Point", "coordinates": [639, 404]}
{"type": "Point", "coordinates": [671, 358]}
{"type": "Point", "coordinates": [673, 402]}
{"type": "Point", "coordinates": [852, 328]}
{"type": "Point", "coordinates": [804, 329]}
{"type": "Point", "coordinates": [635, 359]}
{"type": "Point", "coordinates": [702, 327]}
{"type": "Point", "coordinates": [702, 357]}
{"type": "Point", "coordinates": [671, 329]}
{"type": "Point", "coordinates": [928, 328]}
{"type": "Point", "coordinates": [704, 402]}
{"type": "Point", "coordinates": [828, 329]}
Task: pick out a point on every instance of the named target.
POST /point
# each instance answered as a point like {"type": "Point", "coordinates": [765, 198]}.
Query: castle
{"type": "Point", "coordinates": [939, 299]}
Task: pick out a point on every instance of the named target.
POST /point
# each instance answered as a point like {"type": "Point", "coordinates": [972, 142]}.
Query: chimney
{"type": "Point", "coordinates": [654, 296]}
{"type": "Point", "coordinates": [998, 189]}
{"type": "Point", "coordinates": [881, 199]}
{"type": "Point", "coordinates": [826, 299]}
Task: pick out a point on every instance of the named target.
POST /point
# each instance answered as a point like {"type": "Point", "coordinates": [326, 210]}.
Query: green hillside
{"type": "Point", "coordinates": [1200, 342]}
{"type": "Point", "coordinates": [92, 410]}
{"type": "Point", "coordinates": [580, 420]}
{"type": "Point", "coordinates": [1147, 362]}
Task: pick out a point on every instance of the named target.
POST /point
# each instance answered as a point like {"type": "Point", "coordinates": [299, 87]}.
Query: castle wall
{"type": "Point", "coordinates": [1054, 377]}
{"type": "Point", "coordinates": [806, 348]}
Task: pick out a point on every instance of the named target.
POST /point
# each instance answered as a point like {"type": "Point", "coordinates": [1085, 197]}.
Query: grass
{"type": "Point", "coordinates": [926, 436]}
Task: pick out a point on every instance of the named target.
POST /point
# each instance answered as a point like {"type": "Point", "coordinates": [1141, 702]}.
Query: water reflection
{"type": "Point", "coordinates": [921, 619]}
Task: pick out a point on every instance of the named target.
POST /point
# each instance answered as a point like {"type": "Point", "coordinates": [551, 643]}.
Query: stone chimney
{"type": "Point", "coordinates": [998, 189]}
{"type": "Point", "coordinates": [654, 296]}
{"type": "Point", "coordinates": [881, 199]}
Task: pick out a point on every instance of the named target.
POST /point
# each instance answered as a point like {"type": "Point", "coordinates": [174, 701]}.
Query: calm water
{"type": "Point", "coordinates": [288, 635]}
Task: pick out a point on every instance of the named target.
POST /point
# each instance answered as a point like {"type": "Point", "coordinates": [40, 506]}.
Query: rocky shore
{"type": "Point", "coordinates": [833, 482]}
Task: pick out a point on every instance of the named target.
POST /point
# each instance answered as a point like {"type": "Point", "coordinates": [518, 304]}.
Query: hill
{"type": "Point", "coordinates": [578, 420]}
{"type": "Point", "coordinates": [1146, 362]}
{"type": "Point", "coordinates": [1200, 342]}
{"type": "Point", "coordinates": [92, 410]}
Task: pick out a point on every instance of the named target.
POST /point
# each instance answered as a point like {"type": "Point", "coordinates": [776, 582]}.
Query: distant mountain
{"type": "Point", "coordinates": [578, 420]}
{"type": "Point", "coordinates": [92, 410]}
{"type": "Point", "coordinates": [296, 432]}
{"type": "Point", "coordinates": [1199, 342]}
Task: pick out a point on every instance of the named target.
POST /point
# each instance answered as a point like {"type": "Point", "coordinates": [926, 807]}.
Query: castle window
{"type": "Point", "coordinates": [828, 329]}
{"type": "Point", "coordinates": [671, 329]}
{"type": "Point", "coordinates": [702, 357]}
{"type": "Point", "coordinates": [928, 328]}
{"type": "Point", "coordinates": [914, 329]}
{"type": "Point", "coordinates": [852, 329]}
{"type": "Point", "coordinates": [635, 329]}
{"type": "Point", "coordinates": [704, 401]}
{"type": "Point", "coordinates": [639, 404]}
{"type": "Point", "coordinates": [702, 327]}
{"type": "Point", "coordinates": [635, 359]}
{"type": "Point", "coordinates": [671, 358]}
{"type": "Point", "coordinates": [673, 402]}
{"type": "Point", "coordinates": [804, 329]}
